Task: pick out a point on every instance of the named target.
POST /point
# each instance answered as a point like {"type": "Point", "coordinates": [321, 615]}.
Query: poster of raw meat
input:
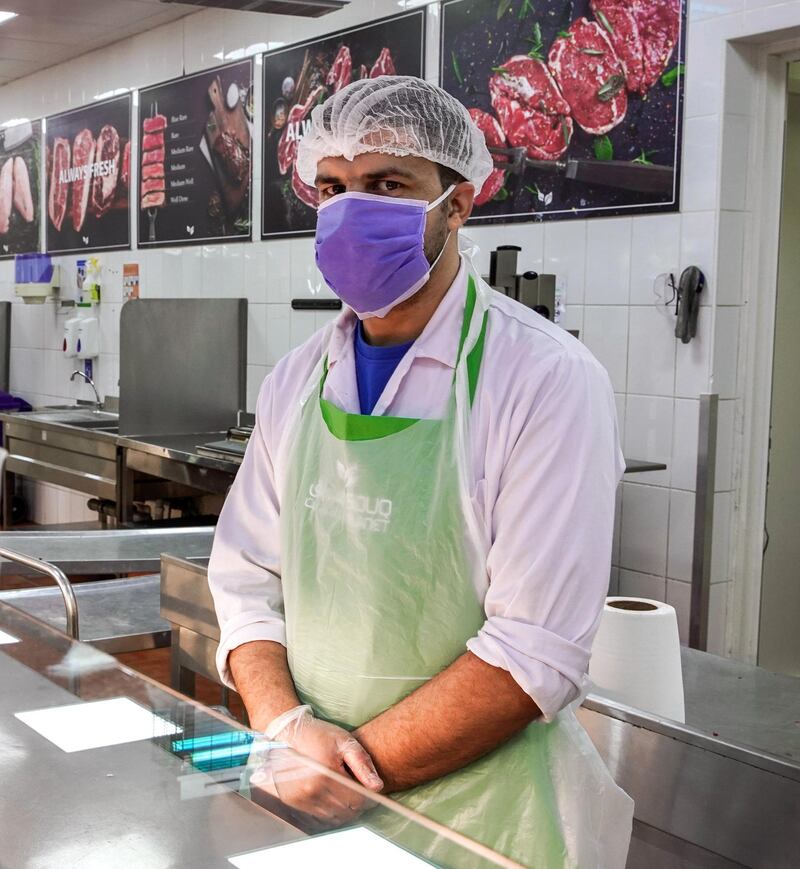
{"type": "Point", "coordinates": [580, 101]}
{"type": "Point", "coordinates": [195, 145]}
{"type": "Point", "coordinates": [88, 157]}
{"type": "Point", "coordinates": [20, 159]}
{"type": "Point", "coordinates": [299, 77]}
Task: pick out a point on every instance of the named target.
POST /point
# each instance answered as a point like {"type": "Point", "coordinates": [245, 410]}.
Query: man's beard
{"type": "Point", "coordinates": [435, 243]}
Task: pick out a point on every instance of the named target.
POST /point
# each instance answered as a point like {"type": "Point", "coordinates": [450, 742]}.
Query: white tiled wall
{"type": "Point", "coordinates": [608, 268]}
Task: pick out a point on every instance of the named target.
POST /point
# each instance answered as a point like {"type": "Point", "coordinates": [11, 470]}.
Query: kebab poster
{"type": "Point", "coordinates": [20, 158]}
{"type": "Point", "coordinates": [88, 154]}
{"type": "Point", "coordinates": [195, 145]}
{"type": "Point", "coordinates": [579, 100]}
{"type": "Point", "coordinates": [301, 76]}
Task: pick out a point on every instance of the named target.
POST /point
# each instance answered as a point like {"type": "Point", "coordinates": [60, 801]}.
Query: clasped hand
{"type": "Point", "coordinates": [284, 774]}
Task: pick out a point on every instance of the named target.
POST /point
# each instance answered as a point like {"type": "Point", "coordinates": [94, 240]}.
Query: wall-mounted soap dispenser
{"type": "Point", "coordinates": [88, 338]}
{"type": "Point", "coordinates": [70, 343]}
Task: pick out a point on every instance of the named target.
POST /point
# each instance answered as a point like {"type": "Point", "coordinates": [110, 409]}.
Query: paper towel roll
{"type": "Point", "coordinates": [636, 656]}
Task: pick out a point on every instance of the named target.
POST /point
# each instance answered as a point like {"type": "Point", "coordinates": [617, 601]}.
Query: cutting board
{"type": "Point", "coordinates": [223, 119]}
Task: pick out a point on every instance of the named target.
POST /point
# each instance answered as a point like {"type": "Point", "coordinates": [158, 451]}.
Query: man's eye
{"type": "Point", "coordinates": [387, 186]}
{"type": "Point", "coordinates": [332, 190]}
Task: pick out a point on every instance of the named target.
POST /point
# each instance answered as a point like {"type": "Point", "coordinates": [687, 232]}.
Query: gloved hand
{"type": "Point", "coordinates": [283, 774]}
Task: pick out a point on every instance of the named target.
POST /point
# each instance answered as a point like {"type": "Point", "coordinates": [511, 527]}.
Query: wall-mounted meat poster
{"type": "Point", "coordinates": [88, 165]}
{"type": "Point", "coordinates": [301, 76]}
{"type": "Point", "coordinates": [20, 159]}
{"type": "Point", "coordinates": [580, 102]}
{"type": "Point", "coordinates": [195, 167]}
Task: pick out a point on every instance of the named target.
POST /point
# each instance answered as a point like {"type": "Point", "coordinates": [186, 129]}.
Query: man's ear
{"type": "Point", "coordinates": [461, 202]}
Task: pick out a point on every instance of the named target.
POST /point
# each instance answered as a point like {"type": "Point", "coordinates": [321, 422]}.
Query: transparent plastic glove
{"type": "Point", "coordinates": [283, 773]}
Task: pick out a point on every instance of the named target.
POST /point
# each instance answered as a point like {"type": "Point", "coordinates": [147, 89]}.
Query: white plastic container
{"type": "Point", "coordinates": [70, 343]}
{"type": "Point", "coordinates": [88, 338]}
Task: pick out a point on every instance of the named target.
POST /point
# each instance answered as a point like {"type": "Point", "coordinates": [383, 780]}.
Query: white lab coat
{"type": "Point", "coordinates": [546, 463]}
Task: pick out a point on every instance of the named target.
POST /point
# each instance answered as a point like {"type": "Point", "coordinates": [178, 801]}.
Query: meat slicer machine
{"type": "Point", "coordinates": [532, 289]}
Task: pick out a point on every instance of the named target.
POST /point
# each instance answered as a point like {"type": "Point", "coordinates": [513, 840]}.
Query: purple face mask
{"type": "Point", "coordinates": [371, 249]}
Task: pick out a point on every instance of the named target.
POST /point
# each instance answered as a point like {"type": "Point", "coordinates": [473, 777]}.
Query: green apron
{"type": "Point", "coordinates": [376, 566]}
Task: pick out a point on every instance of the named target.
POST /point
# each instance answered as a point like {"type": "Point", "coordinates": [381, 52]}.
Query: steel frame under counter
{"type": "Point", "coordinates": [76, 458]}
{"type": "Point", "coordinates": [173, 458]}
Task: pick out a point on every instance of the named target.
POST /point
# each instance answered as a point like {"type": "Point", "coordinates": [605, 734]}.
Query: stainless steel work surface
{"type": "Point", "coordinates": [118, 615]}
{"type": "Point", "coordinates": [164, 797]}
{"type": "Point", "coordinates": [114, 806]}
{"type": "Point", "coordinates": [183, 365]}
{"type": "Point", "coordinates": [743, 704]}
{"type": "Point", "coordinates": [181, 448]}
{"type": "Point", "coordinates": [734, 709]}
{"type": "Point", "coordinates": [124, 551]}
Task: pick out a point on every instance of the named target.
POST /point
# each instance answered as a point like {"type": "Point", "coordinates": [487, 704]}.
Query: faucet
{"type": "Point", "coordinates": [79, 373]}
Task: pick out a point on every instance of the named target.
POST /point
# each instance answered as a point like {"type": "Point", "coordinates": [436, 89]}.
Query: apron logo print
{"type": "Point", "coordinates": [348, 474]}
{"type": "Point", "coordinates": [358, 511]}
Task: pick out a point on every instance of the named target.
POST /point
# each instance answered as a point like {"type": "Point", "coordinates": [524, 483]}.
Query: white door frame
{"type": "Point", "coordinates": [755, 363]}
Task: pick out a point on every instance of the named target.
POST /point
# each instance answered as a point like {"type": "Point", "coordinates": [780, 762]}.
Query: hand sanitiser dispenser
{"type": "Point", "coordinates": [70, 343]}
{"type": "Point", "coordinates": [88, 338]}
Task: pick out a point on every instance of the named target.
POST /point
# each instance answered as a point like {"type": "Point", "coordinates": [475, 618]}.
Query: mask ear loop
{"type": "Point", "coordinates": [435, 204]}
{"type": "Point", "coordinates": [440, 199]}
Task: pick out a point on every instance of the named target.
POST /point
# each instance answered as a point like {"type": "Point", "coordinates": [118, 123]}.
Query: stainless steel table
{"type": "Point", "coordinates": [160, 802]}
{"type": "Point", "coordinates": [116, 615]}
{"type": "Point", "coordinates": [721, 790]}
{"type": "Point", "coordinates": [95, 552]}
{"type": "Point", "coordinates": [173, 458]}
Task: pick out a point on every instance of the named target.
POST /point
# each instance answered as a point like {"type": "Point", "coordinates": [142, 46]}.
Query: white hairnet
{"type": "Point", "coordinates": [395, 114]}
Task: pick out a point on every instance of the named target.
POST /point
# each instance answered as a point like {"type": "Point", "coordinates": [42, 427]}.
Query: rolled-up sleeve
{"type": "Point", "coordinates": [244, 569]}
{"type": "Point", "coordinates": [551, 535]}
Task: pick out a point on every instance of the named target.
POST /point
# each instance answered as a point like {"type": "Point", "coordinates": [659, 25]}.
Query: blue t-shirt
{"type": "Point", "coordinates": [374, 367]}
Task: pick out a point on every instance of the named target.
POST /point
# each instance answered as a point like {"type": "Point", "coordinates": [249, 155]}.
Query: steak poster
{"type": "Point", "coordinates": [299, 77]}
{"type": "Point", "coordinates": [580, 101]}
{"type": "Point", "coordinates": [88, 154]}
{"type": "Point", "coordinates": [20, 159]}
{"type": "Point", "coordinates": [195, 145]}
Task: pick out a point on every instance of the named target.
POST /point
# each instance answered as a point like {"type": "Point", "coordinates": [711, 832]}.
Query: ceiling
{"type": "Point", "coordinates": [47, 32]}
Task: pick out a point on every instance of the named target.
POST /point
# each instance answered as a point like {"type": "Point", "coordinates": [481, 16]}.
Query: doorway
{"type": "Point", "coordinates": [779, 633]}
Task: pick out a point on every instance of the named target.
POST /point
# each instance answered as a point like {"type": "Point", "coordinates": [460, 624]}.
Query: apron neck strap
{"type": "Point", "coordinates": [474, 357]}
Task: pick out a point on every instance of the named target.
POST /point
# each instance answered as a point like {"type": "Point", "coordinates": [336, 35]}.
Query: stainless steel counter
{"type": "Point", "coordinates": [158, 801]}
{"type": "Point", "coordinates": [181, 448]}
{"type": "Point", "coordinates": [113, 806]}
{"type": "Point", "coordinates": [744, 705]}
{"type": "Point", "coordinates": [75, 448]}
{"type": "Point", "coordinates": [116, 615]}
{"type": "Point", "coordinates": [173, 458]}
{"type": "Point", "coordinates": [93, 552]}
{"type": "Point", "coordinates": [80, 448]}
{"type": "Point", "coordinates": [721, 790]}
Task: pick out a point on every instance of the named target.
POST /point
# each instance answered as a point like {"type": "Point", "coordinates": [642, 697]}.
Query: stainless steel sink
{"type": "Point", "coordinates": [74, 447]}
{"type": "Point", "coordinates": [79, 417]}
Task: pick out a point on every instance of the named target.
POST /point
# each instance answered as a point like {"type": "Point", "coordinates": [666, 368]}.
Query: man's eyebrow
{"type": "Point", "coordinates": [390, 170]}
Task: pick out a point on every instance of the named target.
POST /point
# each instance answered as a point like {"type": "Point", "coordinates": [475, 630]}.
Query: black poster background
{"type": "Point", "coordinates": [112, 230]}
{"type": "Point", "coordinates": [186, 104]}
{"type": "Point", "coordinates": [22, 235]}
{"type": "Point", "coordinates": [480, 36]}
{"type": "Point", "coordinates": [283, 214]}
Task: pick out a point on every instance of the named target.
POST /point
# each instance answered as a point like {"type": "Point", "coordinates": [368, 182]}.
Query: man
{"type": "Point", "coordinates": [411, 565]}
